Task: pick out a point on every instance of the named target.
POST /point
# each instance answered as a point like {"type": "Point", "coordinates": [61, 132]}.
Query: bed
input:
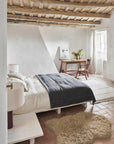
{"type": "Point", "coordinates": [46, 92]}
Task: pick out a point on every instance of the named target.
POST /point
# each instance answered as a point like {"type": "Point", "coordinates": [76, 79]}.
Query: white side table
{"type": "Point", "coordinates": [26, 127]}
{"type": "Point", "coordinates": [16, 99]}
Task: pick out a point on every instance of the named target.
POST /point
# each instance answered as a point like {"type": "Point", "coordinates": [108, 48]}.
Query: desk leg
{"type": "Point", "coordinates": [65, 68]}
{"type": "Point", "coordinates": [32, 141]}
{"type": "Point", "coordinates": [61, 67]}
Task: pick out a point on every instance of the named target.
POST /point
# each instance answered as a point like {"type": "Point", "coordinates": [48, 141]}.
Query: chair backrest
{"type": "Point", "coordinates": [88, 63]}
{"type": "Point", "coordinates": [85, 65]}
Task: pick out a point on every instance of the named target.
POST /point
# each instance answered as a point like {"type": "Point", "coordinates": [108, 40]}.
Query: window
{"type": "Point", "coordinates": [101, 44]}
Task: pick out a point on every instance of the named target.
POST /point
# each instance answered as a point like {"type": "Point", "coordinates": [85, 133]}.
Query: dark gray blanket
{"type": "Point", "coordinates": [65, 90]}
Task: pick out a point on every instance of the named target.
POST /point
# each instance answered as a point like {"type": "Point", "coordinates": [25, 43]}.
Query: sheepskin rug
{"type": "Point", "coordinates": [80, 128]}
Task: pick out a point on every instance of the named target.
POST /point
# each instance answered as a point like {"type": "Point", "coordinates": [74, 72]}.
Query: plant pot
{"type": "Point", "coordinates": [77, 57]}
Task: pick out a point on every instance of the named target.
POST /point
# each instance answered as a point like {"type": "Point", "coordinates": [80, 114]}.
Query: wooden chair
{"type": "Point", "coordinates": [83, 69]}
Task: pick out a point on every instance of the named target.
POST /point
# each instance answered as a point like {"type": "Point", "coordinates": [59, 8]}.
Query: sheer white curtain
{"type": "Point", "coordinates": [100, 50]}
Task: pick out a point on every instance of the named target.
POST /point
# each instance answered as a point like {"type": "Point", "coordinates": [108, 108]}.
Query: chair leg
{"type": "Point", "coordinates": [85, 75]}
{"type": "Point", "coordinates": [76, 74]}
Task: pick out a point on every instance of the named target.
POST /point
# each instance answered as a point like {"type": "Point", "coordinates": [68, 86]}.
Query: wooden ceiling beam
{"type": "Point", "coordinates": [54, 20]}
{"type": "Point", "coordinates": [54, 12]}
{"type": "Point", "coordinates": [75, 4]}
{"type": "Point", "coordinates": [13, 21]}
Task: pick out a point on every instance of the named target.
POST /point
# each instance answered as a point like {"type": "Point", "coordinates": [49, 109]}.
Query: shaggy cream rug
{"type": "Point", "coordinates": [81, 128]}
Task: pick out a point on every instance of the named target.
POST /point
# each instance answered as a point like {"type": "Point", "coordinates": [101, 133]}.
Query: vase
{"type": "Point", "coordinates": [77, 57]}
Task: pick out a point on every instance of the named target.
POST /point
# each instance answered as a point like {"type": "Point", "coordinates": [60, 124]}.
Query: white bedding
{"type": "Point", "coordinates": [35, 100]}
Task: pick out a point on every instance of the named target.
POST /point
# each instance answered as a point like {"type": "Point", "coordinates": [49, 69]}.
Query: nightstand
{"type": "Point", "coordinates": [15, 93]}
{"type": "Point", "coordinates": [26, 127]}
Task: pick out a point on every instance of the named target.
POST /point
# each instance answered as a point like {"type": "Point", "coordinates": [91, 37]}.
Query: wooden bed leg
{"type": "Point", "coordinates": [90, 102]}
{"type": "Point", "coordinates": [89, 107]}
{"type": "Point", "coordinates": [32, 141]}
{"type": "Point", "coordinates": [85, 105]}
{"type": "Point", "coordinates": [59, 111]}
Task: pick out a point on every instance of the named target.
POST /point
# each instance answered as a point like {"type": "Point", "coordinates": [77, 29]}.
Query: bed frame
{"type": "Point", "coordinates": [58, 109]}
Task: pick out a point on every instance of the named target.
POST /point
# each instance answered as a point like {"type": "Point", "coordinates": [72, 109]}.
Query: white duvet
{"type": "Point", "coordinates": [36, 99]}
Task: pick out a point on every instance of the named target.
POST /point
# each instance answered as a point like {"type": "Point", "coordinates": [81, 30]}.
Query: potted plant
{"type": "Point", "coordinates": [78, 54]}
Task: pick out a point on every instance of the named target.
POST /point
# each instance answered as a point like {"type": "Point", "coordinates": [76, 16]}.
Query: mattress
{"type": "Point", "coordinates": [35, 101]}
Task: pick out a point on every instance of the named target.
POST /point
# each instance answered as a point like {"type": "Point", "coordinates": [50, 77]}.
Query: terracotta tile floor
{"type": "Point", "coordinates": [105, 108]}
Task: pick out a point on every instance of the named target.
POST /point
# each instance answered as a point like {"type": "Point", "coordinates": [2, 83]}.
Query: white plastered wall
{"type": "Point", "coordinates": [73, 38]}
{"type": "Point", "coordinates": [3, 63]}
{"type": "Point", "coordinates": [108, 24]}
{"type": "Point", "coordinates": [35, 48]}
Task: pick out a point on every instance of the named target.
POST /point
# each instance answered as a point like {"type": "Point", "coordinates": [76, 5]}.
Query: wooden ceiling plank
{"type": "Point", "coordinates": [31, 4]}
{"type": "Point", "coordinates": [99, 1]}
{"type": "Point", "coordinates": [54, 12]}
{"type": "Point", "coordinates": [76, 4]}
{"type": "Point", "coordinates": [10, 2]}
{"type": "Point", "coordinates": [21, 3]}
{"type": "Point", "coordinates": [110, 11]}
{"type": "Point", "coordinates": [11, 16]}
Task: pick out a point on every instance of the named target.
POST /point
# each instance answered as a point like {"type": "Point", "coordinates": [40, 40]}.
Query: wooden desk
{"type": "Point", "coordinates": [71, 61]}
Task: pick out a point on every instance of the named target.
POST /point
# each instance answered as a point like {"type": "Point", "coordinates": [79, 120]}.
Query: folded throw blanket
{"type": "Point", "coordinates": [65, 90]}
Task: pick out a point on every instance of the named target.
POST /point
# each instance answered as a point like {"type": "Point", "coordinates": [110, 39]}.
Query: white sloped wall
{"type": "Point", "coordinates": [27, 48]}
{"type": "Point", "coordinates": [73, 38]}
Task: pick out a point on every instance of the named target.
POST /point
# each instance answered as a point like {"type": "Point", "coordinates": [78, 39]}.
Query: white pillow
{"type": "Point", "coordinates": [30, 85]}
{"type": "Point", "coordinates": [11, 80]}
{"type": "Point", "coordinates": [17, 75]}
